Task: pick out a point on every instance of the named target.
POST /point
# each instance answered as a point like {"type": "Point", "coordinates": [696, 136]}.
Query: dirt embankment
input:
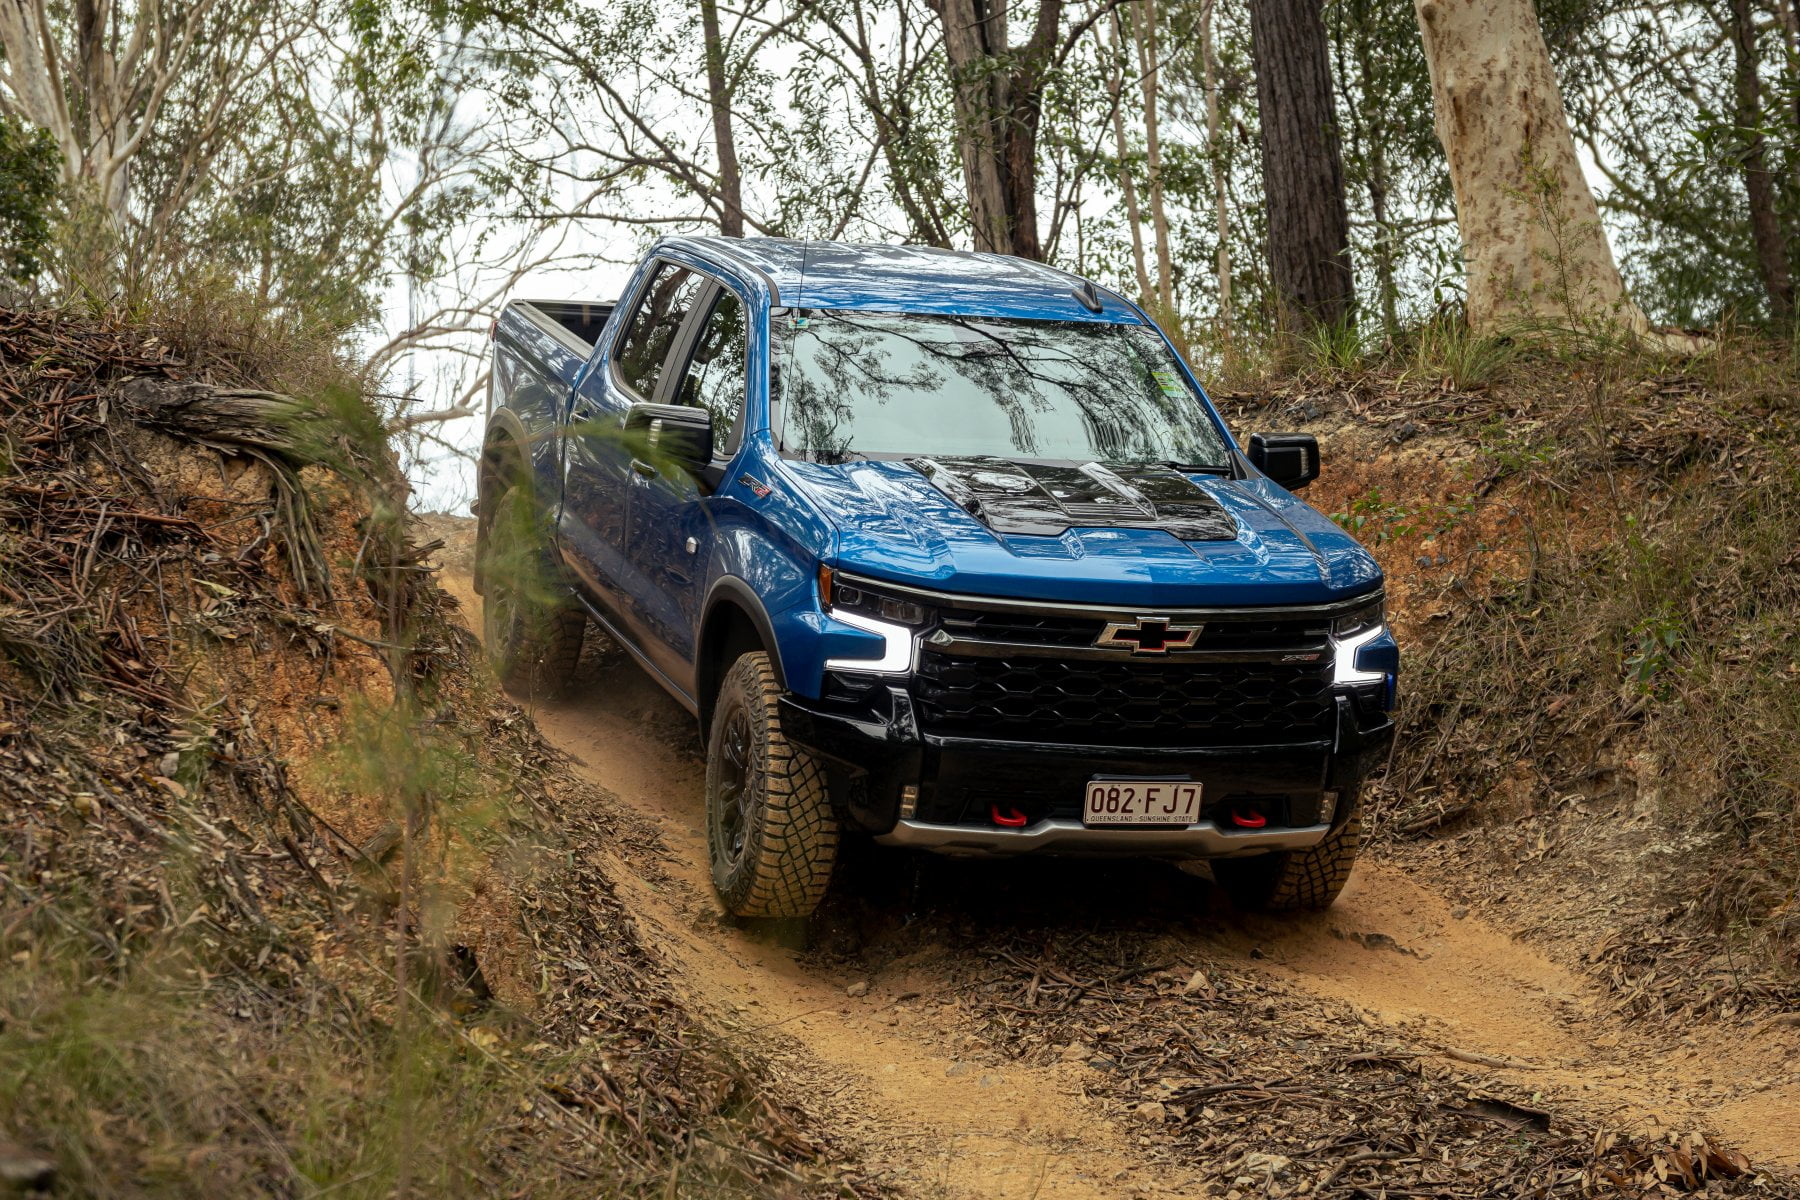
{"type": "Point", "coordinates": [1083, 1030]}
{"type": "Point", "coordinates": [1592, 569]}
{"type": "Point", "coordinates": [296, 902]}
{"type": "Point", "coordinates": [292, 900]}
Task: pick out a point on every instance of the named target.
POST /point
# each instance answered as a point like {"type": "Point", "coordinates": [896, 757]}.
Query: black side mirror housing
{"type": "Point", "coordinates": [1290, 459]}
{"type": "Point", "coordinates": [672, 433]}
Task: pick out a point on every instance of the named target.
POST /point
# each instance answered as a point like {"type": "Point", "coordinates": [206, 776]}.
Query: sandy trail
{"type": "Point", "coordinates": [1402, 955]}
{"type": "Point", "coordinates": [1394, 951]}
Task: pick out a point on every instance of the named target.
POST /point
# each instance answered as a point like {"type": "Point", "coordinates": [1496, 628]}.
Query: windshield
{"type": "Point", "coordinates": [867, 385]}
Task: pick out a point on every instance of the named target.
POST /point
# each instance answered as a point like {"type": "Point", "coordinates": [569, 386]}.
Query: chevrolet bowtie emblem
{"type": "Point", "coordinates": [1149, 635]}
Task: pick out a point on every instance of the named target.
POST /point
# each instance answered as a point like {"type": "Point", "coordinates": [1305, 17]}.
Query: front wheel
{"type": "Point", "coordinates": [771, 835]}
{"type": "Point", "coordinates": [1296, 880]}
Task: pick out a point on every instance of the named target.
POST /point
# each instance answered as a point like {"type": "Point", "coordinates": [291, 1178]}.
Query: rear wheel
{"type": "Point", "coordinates": [532, 627]}
{"type": "Point", "coordinates": [1296, 880]}
{"type": "Point", "coordinates": [770, 832]}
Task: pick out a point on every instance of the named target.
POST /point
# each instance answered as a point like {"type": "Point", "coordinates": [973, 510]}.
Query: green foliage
{"type": "Point", "coordinates": [1337, 347]}
{"type": "Point", "coordinates": [1650, 89]}
{"type": "Point", "coordinates": [1444, 348]}
{"type": "Point", "coordinates": [1658, 637]}
{"type": "Point", "coordinates": [1373, 516]}
{"type": "Point", "coordinates": [29, 164]}
{"type": "Point", "coordinates": [1395, 179]}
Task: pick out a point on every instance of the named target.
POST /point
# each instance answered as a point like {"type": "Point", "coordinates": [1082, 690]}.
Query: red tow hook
{"type": "Point", "coordinates": [1012, 818]}
{"type": "Point", "coordinates": [1248, 820]}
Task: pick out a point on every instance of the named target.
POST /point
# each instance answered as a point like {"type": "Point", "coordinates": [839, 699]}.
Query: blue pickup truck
{"type": "Point", "coordinates": [949, 550]}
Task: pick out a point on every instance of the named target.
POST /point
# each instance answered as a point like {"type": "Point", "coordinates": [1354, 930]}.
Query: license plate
{"type": "Point", "coordinates": [1141, 802]}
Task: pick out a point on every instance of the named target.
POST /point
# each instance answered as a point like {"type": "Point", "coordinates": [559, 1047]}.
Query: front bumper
{"type": "Point", "coordinates": [916, 789]}
{"type": "Point", "coordinates": [1058, 835]}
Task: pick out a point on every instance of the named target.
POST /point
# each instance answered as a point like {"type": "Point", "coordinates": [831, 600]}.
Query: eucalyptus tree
{"type": "Point", "coordinates": [1402, 214]}
{"type": "Point", "coordinates": [1689, 110]}
{"type": "Point", "coordinates": [1000, 82]}
{"type": "Point", "coordinates": [100, 74]}
{"type": "Point", "coordinates": [1753, 161]}
{"type": "Point", "coordinates": [1537, 253]}
{"type": "Point", "coordinates": [675, 117]}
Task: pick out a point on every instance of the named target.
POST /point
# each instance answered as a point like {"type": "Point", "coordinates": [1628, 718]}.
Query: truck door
{"type": "Point", "coordinates": [671, 519]}
{"type": "Point", "coordinates": [598, 479]}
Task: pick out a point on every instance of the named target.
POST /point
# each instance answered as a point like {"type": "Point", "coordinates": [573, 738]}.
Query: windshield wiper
{"type": "Point", "coordinates": [1197, 468]}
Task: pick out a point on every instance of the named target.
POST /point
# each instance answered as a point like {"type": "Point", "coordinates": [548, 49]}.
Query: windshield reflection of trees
{"type": "Point", "coordinates": [840, 363]}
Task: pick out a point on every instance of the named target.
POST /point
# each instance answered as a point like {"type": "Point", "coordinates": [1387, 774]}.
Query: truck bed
{"type": "Point", "coordinates": [583, 319]}
{"type": "Point", "coordinates": [540, 350]}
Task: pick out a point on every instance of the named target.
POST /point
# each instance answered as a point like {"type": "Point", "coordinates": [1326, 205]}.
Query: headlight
{"type": "Point", "coordinates": [892, 618]}
{"type": "Point", "coordinates": [1360, 619]}
{"type": "Point", "coordinates": [839, 595]}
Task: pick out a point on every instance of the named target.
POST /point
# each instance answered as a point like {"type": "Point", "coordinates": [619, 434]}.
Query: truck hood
{"type": "Point", "coordinates": [1096, 533]}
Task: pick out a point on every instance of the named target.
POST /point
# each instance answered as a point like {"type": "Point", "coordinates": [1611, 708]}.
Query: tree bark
{"type": "Point", "coordinates": [1215, 148]}
{"type": "Point", "coordinates": [1530, 228]}
{"type": "Point", "coordinates": [718, 97]}
{"type": "Point", "coordinates": [1134, 218]}
{"type": "Point", "coordinates": [998, 94]}
{"type": "Point", "coordinates": [1303, 174]}
{"type": "Point", "coordinates": [1759, 183]}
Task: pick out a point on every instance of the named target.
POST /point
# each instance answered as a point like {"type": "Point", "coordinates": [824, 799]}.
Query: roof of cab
{"type": "Point", "coordinates": [814, 274]}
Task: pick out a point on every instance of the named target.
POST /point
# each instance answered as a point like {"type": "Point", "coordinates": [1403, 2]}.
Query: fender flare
{"type": "Point", "coordinates": [730, 589]}
{"type": "Point", "coordinates": [505, 427]}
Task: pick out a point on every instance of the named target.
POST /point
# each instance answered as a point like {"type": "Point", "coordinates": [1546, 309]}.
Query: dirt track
{"type": "Point", "coordinates": [942, 1106]}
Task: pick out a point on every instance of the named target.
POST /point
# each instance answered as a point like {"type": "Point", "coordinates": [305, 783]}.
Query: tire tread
{"type": "Point", "coordinates": [1296, 880]}
{"type": "Point", "coordinates": [794, 837]}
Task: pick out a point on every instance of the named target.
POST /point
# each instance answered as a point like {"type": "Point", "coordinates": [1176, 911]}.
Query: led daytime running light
{"type": "Point", "coordinates": [897, 654]}
{"type": "Point", "coordinates": [1345, 669]}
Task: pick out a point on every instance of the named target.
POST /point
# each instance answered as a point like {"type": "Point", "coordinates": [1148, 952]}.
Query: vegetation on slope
{"type": "Point", "coordinates": [1593, 565]}
{"type": "Point", "coordinates": [290, 900]}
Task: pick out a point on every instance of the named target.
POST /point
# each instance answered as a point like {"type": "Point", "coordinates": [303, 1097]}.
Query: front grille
{"type": "Point", "coordinates": [1152, 704]}
{"type": "Point", "coordinates": [1218, 632]}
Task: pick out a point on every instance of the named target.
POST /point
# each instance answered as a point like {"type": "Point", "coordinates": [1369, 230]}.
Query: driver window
{"type": "Point", "coordinates": [716, 375]}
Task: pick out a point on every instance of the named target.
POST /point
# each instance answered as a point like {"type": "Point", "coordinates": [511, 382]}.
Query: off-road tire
{"type": "Point", "coordinates": [1296, 880]}
{"type": "Point", "coordinates": [532, 628]}
{"type": "Point", "coordinates": [771, 836]}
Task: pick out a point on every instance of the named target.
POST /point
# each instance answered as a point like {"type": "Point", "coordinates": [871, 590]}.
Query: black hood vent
{"type": "Point", "coordinates": [1022, 498]}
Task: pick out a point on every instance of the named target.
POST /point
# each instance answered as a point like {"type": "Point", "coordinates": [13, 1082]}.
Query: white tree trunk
{"type": "Point", "coordinates": [97, 78]}
{"type": "Point", "coordinates": [1531, 232]}
{"type": "Point", "coordinates": [1143, 29]}
{"type": "Point", "coordinates": [33, 87]}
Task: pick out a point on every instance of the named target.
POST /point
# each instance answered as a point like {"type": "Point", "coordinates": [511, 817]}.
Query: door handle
{"type": "Point", "coordinates": [643, 468]}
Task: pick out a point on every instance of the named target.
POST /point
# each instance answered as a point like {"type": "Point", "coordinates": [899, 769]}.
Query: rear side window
{"type": "Point", "coordinates": [717, 374]}
{"type": "Point", "coordinates": [653, 327]}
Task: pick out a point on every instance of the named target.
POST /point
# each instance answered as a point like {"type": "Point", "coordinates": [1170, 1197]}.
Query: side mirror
{"type": "Point", "coordinates": [681, 434]}
{"type": "Point", "coordinates": [1290, 459]}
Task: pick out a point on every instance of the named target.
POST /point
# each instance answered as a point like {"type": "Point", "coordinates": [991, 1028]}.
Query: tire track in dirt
{"type": "Point", "coordinates": [1408, 960]}
{"type": "Point", "coordinates": [1392, 950]}
{"type": "Point", "coordinates": [931, 1123]}
{"type": "Point", "coordinates": [936, 1123]}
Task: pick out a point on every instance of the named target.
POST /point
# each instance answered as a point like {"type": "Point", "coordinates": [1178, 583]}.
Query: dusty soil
{"type": "Point", "coordinates": [904, 1011]}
